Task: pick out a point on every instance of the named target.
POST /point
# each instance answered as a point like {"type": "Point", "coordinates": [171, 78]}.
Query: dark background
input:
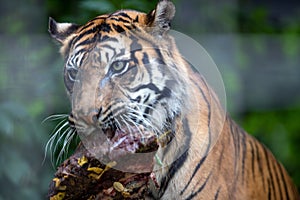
{"type": "Point", "coordinates": [255, 45]}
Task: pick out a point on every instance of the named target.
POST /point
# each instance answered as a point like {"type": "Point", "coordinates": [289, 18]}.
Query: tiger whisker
{"type": "Point", "coordinates": [61, 134]}
{"type": "Point", "coordinates": [66, 143]}
{"type": "Point", "coordinates": [148, 115]}
{"type": "Point", "coordinates": [118, 125]}
{"type": "Point", "coordinates": [56, 133]}
{"type": "Point", "coordinates": [152, 108]}
{"type": "Point", "coordinates": [140, 116]}
{"type": "Point", "coordinates": [54, 117]}
{"type": "Point", "coordinates": [134, 123]}
{"type": "Point", "coordinates": [127, 125]}
{"type": "Point", "coordinates": [147, 123]}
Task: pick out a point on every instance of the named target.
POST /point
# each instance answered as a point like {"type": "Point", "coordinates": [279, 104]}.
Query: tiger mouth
{"type": "Point", "coordinates": [132, 149]}
{"type": "Point", "coordinates": [131, 140]}
{"type": "Point", "coordinates": [132, 146]}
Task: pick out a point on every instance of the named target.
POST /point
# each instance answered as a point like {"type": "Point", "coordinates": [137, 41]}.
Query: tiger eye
{"type": "Point", "coordinates": [119, 65]}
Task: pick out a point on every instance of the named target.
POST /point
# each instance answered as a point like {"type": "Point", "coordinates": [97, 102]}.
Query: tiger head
{"type": "Point", "coordinates": [123, 71]}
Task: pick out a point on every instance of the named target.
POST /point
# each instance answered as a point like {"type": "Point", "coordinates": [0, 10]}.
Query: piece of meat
{"type": "Point", "coordinates": [82, 176]}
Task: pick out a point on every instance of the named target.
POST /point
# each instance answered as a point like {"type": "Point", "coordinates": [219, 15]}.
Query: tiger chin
{"type": "Point", "coordinates": [123, 72]}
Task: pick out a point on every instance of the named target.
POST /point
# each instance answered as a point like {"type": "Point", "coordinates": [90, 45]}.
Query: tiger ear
{"type": "Point", "coordinates": [60, 31]}
{"type": "Point", "coordinates": [160, 18]}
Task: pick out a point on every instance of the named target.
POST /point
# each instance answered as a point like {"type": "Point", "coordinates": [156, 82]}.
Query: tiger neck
{"type": "Point", "coordinates": [197, 129]}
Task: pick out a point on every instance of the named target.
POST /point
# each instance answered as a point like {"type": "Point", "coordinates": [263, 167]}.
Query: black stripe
{"type": "Point", "coordinates": [106, 38]}
{"type": "Point", "coordinates": [209, 142]}
{"type": "Point", "coordinates": [87, 41]}
{"type": "Point", "coordinates": [259, 164]}
{"type": "Point", "coordinates": [88, 25]}
{"type": "Point", "coordinates": [135, 45]}
{"type": "Point", "coordinates": [123, 14]}
{"type": "Point", "coordinates": [275, 168]}
{"type": "Point", "coordinates": [217, 193]}
{"type": "Point", "coordinates": [145, 39]}
{"type": "Point", "coordinates": [244, 151]}
{"type": "Point", "coordinates": [194, 173]}
{"type": "Point", "coordinates": [283, 181]}
{"type": "Point", "coordinates": [236, 146]}
{"type": "Point", "coordinates": [82, 58]}
{"type": "Point", "coordinates": [106, 53]}
{"type": "Point", "coordinates": [252, 159]}
{"type": "Point", "coordinates": [99, 17]}
{"type": "Point", "coordinates": [132, 27]}
{"type": "Point", "coordinates": [81, 51]}
{"type": "Point", "coordinates": [147, 111]}
{"type": "Point", "coordinates": [109, 47]}
{"type": "Point", "coordinates": [270, 172]}
{"type": "Point", "coordinates": [119, 19]}
{"type": "Point", "coordinates": [90, 31]}
{"type": "Point", "coordinates": [136, 19]}
{"type": "Point", "coordinates": [107, 110]}
{"type": "Point", "coordinates": [145, 58]}
{"type": "Point", "coordinates": [108, 117]}
{"type": "Point", "coordinates": [137, 99]}
{"type": "Point", "coordinates": [160, 58]}
{"type": "Point", "coordinates": [200, 188]}
{"type": "Point", "coordinates": [134, 58]}
{"type": "Point", "coordinates": [148, 69]}
{"type": "Point", "coordinates": [165, 93]}
{"type": "Point", "coordinates": [67, 49]}
{"type": "Point", "coordinates": [106, 56]}
{"type": "Point", "coordinates": [118, 28]}
{"type": "Point", "coordinates": [104, 27]}
{"type": "Point", "coordinates": [149, 86]}
{"type": "Point", "coordinates": [179, 162]}
{"type": "Point", "coordinates": [171, 172]}
{"type": "Point", "coordinates": [269, 189]}
{"type": "Point", "coordinates": [147, 98]}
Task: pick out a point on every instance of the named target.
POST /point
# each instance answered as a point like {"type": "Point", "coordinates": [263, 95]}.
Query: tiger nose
{"type": "Point", "coordinates": [90, 118]}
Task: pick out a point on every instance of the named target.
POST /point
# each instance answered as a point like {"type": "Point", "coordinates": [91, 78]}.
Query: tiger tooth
{"type": "Point", "coordinates": [118, 143]}
{"type": "Point", "coordinates": [141, 127]}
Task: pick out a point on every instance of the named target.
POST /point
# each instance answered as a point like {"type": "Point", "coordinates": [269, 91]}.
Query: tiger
{"type": "Point", "coordinates": [125, 68]}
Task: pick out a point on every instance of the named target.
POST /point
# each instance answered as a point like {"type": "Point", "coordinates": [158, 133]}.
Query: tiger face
{"type": "Point", "coordinates": [121, 73]}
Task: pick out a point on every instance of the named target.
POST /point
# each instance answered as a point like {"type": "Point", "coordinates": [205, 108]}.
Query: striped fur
{"type": "Point", "coordinates": [124, 69]}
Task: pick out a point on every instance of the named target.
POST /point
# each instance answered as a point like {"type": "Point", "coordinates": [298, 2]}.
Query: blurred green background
{"type": "Point", "coordinates": [255, 44]}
